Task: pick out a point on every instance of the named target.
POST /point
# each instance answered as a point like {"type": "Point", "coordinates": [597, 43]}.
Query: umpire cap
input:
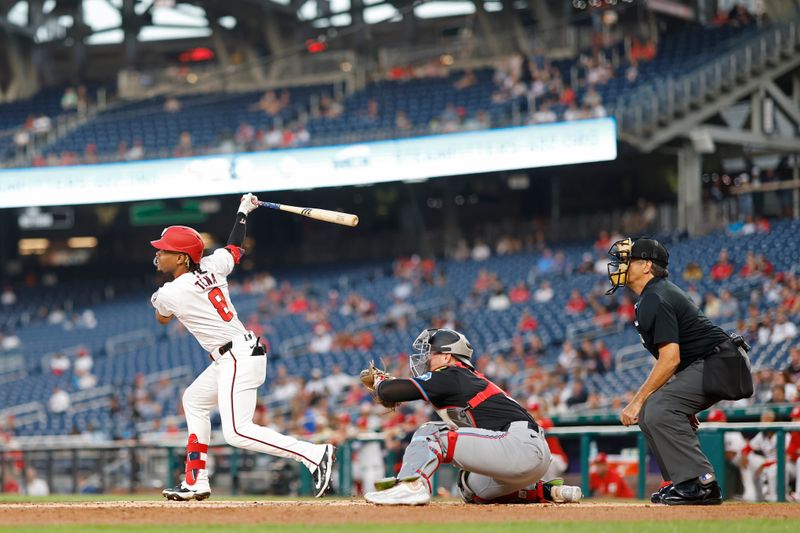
{"type": "Point", "coordinates": [650, 250]}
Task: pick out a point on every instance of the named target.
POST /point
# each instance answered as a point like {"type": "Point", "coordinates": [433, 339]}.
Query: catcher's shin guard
{"type": "Point", "coordinates": [195, 459]}
{"type": "Point", "coordinates": [432, 444]}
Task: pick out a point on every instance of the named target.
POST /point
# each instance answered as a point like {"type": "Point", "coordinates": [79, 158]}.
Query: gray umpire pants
{"type": "Point", "coordinates": [664, 420]}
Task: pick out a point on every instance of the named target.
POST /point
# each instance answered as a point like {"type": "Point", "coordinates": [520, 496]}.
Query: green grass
{"type": "Point", "coordinates": [720, 526]}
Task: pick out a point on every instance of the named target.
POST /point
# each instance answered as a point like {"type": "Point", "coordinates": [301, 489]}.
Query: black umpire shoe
{"type": "Point", "coordinates": [656, 496]}
{"type": "Point", "coordinates": [693, 492]}
{"type": "Point", "coordinates": [322, 475]}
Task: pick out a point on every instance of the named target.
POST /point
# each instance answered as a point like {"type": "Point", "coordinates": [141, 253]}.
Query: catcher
{"type": "Point", "coordinates": [501, 452]}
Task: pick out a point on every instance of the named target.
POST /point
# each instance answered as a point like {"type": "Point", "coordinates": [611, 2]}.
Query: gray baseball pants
{"type": "Point", "coordinates": [499, 462]}
{"type": "Point", "coordinates": [664, 420]}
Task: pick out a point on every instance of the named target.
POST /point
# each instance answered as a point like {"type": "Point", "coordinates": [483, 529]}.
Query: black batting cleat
{"type": "Point", "coordinates": [184, 493]}
{"type": "Point", "coordinates": [322, 475]}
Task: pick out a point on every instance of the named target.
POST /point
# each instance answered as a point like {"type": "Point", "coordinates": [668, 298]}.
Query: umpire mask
{"type": "Point", "coordinates": [620, 253]}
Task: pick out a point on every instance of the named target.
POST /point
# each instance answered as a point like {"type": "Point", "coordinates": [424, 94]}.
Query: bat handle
{"type": "Point", "coordinates": [271, 205]}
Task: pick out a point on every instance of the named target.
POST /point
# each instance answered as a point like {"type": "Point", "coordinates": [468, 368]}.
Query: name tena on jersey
{"type": "Point", "coordinates": [205, 280]}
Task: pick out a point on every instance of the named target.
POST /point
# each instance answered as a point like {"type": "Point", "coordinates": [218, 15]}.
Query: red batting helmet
{"type": "Point", "coordinates": [795, 413]}
{"type": "Point", "coordinates": [181, 239]}
{"type": "Point", "coordinates": [716, 415]}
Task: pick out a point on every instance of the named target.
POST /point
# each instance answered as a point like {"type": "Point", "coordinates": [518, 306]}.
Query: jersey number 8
{"type": "Point", "coordinates": [217, 299]}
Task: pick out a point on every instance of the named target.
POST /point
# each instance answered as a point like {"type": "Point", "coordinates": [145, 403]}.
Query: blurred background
{"type": "Point", "coordinates": [493, 151]}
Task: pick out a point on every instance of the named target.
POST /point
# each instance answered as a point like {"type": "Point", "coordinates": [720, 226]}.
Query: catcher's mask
{"type": "Point", "coordinates": [624, 251]}
{"type": "Point", "coordinates": [433, 340]}
{"type": "Point", "coordinates": [620, 253]}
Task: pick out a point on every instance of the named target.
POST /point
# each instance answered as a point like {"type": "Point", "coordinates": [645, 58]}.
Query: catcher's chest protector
{"type": "Point", "coordinates": [462, 416]}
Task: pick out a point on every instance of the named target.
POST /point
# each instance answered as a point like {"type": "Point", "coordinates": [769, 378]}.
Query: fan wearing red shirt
{"type": "Point", "coordinates": [793, 453]}
{"type": "Point", "coordinates": [607, 482]}
{"type": "Point", "coordinates": [722, 269]}
{"type": "Point", "coordinates": [576, 304]}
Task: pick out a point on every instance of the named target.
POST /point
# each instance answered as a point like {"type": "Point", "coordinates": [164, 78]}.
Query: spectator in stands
{"type": "Point", "coordinates": [577, 394]}
{"type": "Point", "coordinates": [793, 369]}
{"type": "Point", "coordinates": [172, 105]}
{"type": "Point", "coordinates": [722, 269]}
{"type": "Point", "coordinates": [399, 313]}
{"type": "Point", "coordinates": [34, 485]}
{"type": "Point", "coordinates": [605, 481]}
{"type": "Point", "coordinates": [499, 301]}
{"type": "Point", "coordinates": [373, 111]}
{"type": "Point", "coordinates": [467, 80]}
{"type": "Point", "coordinates": [59, 364]}
{"type": "Point", "coordinates": [8, 297]}
{"type": "Point", "coordinates": [728, 306]}
{"type": "Point", "coordinates": [22, 142]}
{"type": "Point", "coordinates": [519, 294]}
{"type": "Point", "coordinates": [543, 115]}
{"type": "Point", "coordinates": [478, 121]}
{"type": "Point", "coordinates": [245, 136]}
{"type": "Point", "coordinates": [544, 293]}
{"type": "Point", "coordinates": [322, 340]}
{"type": "Point", "coordinates": [59, 401]}
{"type": "Point", "coordinates": [184, 147]}
{"type": "Point", "coordinates": [338, 382]}
{"type": "Point", "coordinates": [527, 322]}
{"type": "Point", "coordinates": [284, 387]}
{"type": "Point", "coordinates": [713, 306]}
{"type": "Point", "coordinates": [83, 361]}
{"type": "Point", "coordinates": [401, 121]}
{"type": "Point", "coordinates": [783, 329]}
{"type": "Point", "coordinates": [576, 304]}
{"type": "Point", "coordinates": [783, 382]}
{"type": "Point", "coordinates": [269, 104]}
{"type": "Point", "coordinates": [481, 251]}
{"type": "Point", "coordinates": [9, 340]}
{"type": "Point", "coordinates": [692, 272]}
{"type": "Point", "coordinates": [136, 151]}
{"type": "Point", "coordinates": [69, 100]}
{"type": "Point", "coordinates": [41, 126]}
{"type": "Point", "coordinates": [568, 359]}
{"type": "Point", "coordinates": [83, 99]}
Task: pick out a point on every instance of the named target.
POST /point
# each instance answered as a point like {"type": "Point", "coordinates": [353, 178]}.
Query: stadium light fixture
{"type": "Point", "coordinates": [33, 246]}
{"type": "Point", "coordinates": [82, 242]}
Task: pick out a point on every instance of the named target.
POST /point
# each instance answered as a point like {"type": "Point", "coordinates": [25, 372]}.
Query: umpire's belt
{"type": "Point", "coordinates": [225, 348]}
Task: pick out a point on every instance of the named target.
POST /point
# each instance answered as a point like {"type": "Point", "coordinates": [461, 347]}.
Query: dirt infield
{"type": "Point", "coordinates": [356, 511]}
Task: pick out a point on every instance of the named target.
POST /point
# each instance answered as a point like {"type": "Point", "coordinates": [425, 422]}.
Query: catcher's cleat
{"type": "Point", "coordinates": [184, 493]}
{"type": "Point", "coordinates": [389, 482]}
{"type": "Point", "coordinates": [322, 475]}
{"type": "Point", "coordinates": [555, 491]}
{"type": "Point", "coordinates": [404, 493]}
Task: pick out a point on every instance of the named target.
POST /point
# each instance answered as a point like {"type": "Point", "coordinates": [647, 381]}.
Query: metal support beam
{"type": "Point", "coordinates": [756, 111]}
{"type": "Point", "coordinates": [689, 190]}
{"type": "Point", "coordinates": [786, 104]}
{"type": "Point", "coordinates": [754, 140]}
{"type": "Point", "coordinates": [692, 120]}
{"type": "Point", "coordinates": [486, 28]}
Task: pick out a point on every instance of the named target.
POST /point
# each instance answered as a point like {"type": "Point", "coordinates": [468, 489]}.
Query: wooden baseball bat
{"type": "Point", "coordinates": [334, 217]}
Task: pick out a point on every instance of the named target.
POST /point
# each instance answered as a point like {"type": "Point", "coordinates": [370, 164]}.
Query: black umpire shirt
{"type": "Point", "coordinates": [665, 314]}
{"type": "Point", "coordinates": [454, 386]}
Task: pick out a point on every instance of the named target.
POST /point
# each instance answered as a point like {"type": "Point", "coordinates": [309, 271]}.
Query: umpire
{"type": "Point", "coordinates": [697, 364]}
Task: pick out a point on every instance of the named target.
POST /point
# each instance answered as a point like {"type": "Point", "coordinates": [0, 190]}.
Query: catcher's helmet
{"type": "Point", "coordinates": [625, 250]}
{"type": "Point", "coordinates": [435, 340]}
{"type": "Point", "coordinates": [181, 239]}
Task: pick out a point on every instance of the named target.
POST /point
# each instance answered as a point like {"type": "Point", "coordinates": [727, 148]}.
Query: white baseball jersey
{"type": "Point", "coordinates": [201, 302]}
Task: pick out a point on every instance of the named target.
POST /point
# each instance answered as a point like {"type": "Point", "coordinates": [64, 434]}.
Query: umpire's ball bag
{"type": "Point", "coordinates": [726, 375]}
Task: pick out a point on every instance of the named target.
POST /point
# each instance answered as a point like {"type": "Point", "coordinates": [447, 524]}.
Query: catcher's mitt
{"type": "Point", "coordinates": [371, 377]}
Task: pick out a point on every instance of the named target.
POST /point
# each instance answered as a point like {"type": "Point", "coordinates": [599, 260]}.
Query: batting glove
{"type": "Point", "coordinates": [248, 204]}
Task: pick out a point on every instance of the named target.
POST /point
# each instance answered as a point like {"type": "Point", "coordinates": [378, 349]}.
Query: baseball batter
{"type": "Point", "coordinates": [198, 297]}
{"type": "Point", "coordinates": [500, 450]}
